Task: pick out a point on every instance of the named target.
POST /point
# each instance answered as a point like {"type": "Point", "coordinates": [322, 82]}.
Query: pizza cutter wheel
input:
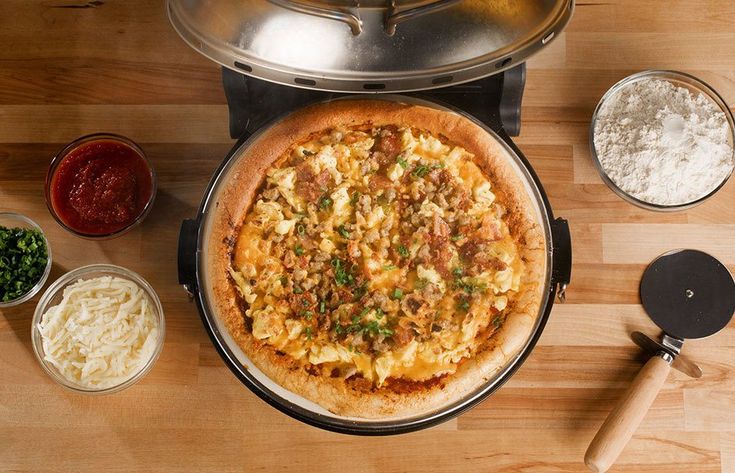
{"type": "Point", "coordinates": [688, 294]}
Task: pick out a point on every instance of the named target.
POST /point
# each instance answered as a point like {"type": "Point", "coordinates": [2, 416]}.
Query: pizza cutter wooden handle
{"type": "Point", "coordinates": [624, 419]}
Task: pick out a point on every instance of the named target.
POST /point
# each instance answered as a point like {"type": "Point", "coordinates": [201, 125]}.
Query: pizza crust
{"type": "Point", "coordinates": [246, 177]}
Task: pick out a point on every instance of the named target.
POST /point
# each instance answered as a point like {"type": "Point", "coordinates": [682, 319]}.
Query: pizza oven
{"type": "Point", "coordinates": [464, 56]}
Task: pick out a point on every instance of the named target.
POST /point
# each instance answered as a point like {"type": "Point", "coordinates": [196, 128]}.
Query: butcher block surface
{"type": "Point", "coordinates": [69, 68]}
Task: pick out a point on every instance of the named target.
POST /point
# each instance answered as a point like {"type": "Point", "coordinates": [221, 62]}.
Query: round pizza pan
{"type": "Point", "coordinates": [192, 246]}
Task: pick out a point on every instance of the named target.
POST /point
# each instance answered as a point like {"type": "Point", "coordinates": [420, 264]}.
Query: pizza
{"type": "Point", "coordinates": [377, 258]}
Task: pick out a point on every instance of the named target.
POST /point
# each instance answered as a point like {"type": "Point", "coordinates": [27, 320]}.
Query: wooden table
{"type": "Point", "coordinates": [69, 68]}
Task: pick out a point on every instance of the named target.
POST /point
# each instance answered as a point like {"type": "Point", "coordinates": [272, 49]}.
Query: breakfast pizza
{"type": "Point", "coordinates": [379, 259]}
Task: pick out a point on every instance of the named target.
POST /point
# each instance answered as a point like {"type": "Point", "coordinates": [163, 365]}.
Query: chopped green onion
{"type": "Point", "coordinates": [403, 251]}
{"type": "Point", "coordinates": [355, 197]}
{"type": "Point", "coordinates": [385, 331]}
{"type": "Point", "coordinates": [322, 307]}
{"type": "Point", "coordinates": [389, 267]}
{"type": "Point", "coordinates": [343, 231]}
{"type": "Point", "coordinates": [397, 293]}
{"type": "Point", "coordinates": [324, 203]}
{"type": "Point", "coordinates": [421, 170]}
{"type": "Point", "coordinates": [402, 162]}
{"type": "Point", "coordinates": [299, 250]}
{"type": "Point", "coordinates": [300, 229]}
{"type": "Point", "coordinates": [23, 261]}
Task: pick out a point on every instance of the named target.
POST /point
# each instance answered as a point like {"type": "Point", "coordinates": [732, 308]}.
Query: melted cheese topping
{"type": "Point", "coordinates": [381, 253]}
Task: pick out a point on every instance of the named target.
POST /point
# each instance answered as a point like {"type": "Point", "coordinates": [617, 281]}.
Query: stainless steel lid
{"type": "Point", "coordinates": [369, 45]}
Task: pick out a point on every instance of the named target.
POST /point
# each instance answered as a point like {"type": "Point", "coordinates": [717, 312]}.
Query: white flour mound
{"type": "Point", "coordinates": [663, 144]}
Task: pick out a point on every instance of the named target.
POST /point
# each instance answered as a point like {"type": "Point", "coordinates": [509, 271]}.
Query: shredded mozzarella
{"type": "Point", "coordinates": [102, 332]}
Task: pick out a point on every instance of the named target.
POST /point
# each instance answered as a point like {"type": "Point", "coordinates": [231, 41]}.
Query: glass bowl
{"type": "Point", "coordinates": [13, 220]}
{"type": "Point", "coordinates": [53, 296]}
{"type": "Point", "coordinates": [679, 79]}
{"type": "Point", "coordinates": [59, 158]}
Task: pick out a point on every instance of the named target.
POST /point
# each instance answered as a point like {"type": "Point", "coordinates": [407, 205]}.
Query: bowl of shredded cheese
{"type": "Point", "coordinates": [98, 329]}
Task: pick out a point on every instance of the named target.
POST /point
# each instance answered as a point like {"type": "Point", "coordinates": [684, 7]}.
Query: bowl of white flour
{"type": "Point", "coordinates": [663, 140]}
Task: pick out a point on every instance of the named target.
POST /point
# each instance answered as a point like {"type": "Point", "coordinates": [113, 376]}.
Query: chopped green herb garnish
{"type": "Point", "coordinates": [23, 261]}
{"type": "Point", "coordinates": [421, 170]}
{"type": "Point", "coordinates": [307, 331]}
{"type": "Point", "coordinates": [422, 283]}
{"type": "Point", "coordinates": [456, 237]}
{"type": "Point", "coordinates": [464, 304]}
{"type": "Point", "coordinates": [397, 293]}
{"type": "Point", "coordinates": [300, 229]}
{"type": "Point", "coordinates": [439, 165]}
{"type": "Point", "coordinates": [343, 231]}
{"type": "Point", "coordinates": [470, 287]}
{"type": "Point", "coordinates": [355, 197]}
{"type": "Point", "coordinates": [389, 267]}
{"type": "Point", "coordinates": [298, 290]}
{"type": "Point", "coordinates": [403, 251]}
{"type": "Point", "coordinates": [284, 280]}
{"type": "Point", "coordinates": [402, 162]}
{"type": "Point", "coordinates": [360, 291]}
{"type": "Point", "coordinates": [364, 311]}
{"type": "Point", "coordinates": [371, 327]}
{"type": "Point", "coordinates": [341, 276]}
{"type": "Point", "coordinates": [299, 250]}
{"type": "Point", "coordinates": [307, 314]}
{"type": "Point", "coordinates": [497, 321]}
{"type": "Point", "coordinates": [457, 272]}
{"type": "Point", "coordinates": [322, 307]}
{"type": "Point", "coordinates": [385, 331]}
{"type": "Point", "coordinates": [338, 329]}
{"type": "Point", "coordinates": [379, 313]}
{"type": "Point", "coordinates": [325, 202]}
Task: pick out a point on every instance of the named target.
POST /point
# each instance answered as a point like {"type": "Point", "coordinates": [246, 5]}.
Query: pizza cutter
{"type": "Point", "coordinates": [688, 294]}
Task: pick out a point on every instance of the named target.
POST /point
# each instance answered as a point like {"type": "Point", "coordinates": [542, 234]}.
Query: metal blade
{"type": "Point", "coordinates": [681, 362]}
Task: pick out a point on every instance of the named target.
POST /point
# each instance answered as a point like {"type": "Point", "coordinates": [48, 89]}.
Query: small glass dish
{"type": "Point", "coordinates": [74, 145]}
{"type": "Point", "coordinates": [53, 296]}
{"type": "Point", "coordinates": [679, 79]}
{"type": "Point", "coordinates": [15, 220]}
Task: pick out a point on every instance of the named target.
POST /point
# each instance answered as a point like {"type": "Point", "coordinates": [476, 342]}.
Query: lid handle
{"type": "Point", "coordinates": [343, 14]}
{"type": "Point", "coordinates": [394, 14]}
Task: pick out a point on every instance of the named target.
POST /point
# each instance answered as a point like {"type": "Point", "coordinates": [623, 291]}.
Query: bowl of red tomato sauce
{"type": "Point", "coordinates": [100, 186]}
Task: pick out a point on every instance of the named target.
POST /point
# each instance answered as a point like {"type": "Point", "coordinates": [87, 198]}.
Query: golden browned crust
{"type": "Point", "coordinates": [334, 394]}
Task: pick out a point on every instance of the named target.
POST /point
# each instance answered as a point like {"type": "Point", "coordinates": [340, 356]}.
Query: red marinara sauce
{"type": "Point", "coordinates": [101, 187]}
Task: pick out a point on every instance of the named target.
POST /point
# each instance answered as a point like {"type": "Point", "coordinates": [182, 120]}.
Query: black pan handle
{"type": "Point", "coordinates": [187, 255]}
{"type": "Point", "coordinates": [561, 273]}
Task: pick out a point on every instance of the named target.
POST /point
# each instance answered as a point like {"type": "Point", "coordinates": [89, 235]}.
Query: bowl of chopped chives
{"type": "Point", "coordinates": [25, 259]}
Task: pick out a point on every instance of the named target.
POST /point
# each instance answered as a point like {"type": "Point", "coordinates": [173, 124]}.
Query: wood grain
{"type": "Point", "coordinates": [71, 67]}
